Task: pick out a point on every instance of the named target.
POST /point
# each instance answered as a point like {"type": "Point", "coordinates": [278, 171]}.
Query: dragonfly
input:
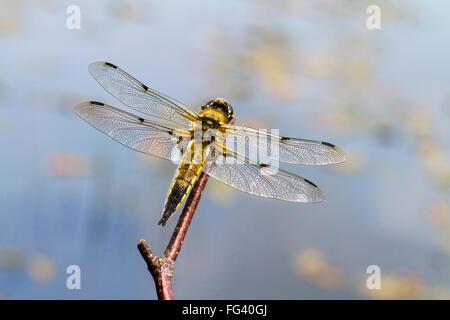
{"type": "Point", "coordinates": [200, 141]}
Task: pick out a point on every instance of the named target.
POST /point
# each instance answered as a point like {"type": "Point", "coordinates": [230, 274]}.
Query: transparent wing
{"type": "Point", "coordinates": [288, 150]}
{"type": "Point", "coordinates": [138, 96]}
{"type": "Point", "coordinates": [258, 178]}
{"type": "Point", "coordinates": [135, 132]}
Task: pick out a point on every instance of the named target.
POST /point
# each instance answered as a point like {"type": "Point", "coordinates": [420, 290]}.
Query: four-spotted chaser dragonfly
{"type": "Point", "coordinates": [174, 126]}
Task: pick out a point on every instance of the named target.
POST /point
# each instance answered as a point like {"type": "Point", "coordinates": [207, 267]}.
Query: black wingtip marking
{"type": "Point", "coordinates": [284, 138]}
{"type": "Point", "coordinates": [329, 144]}
{"type": "Point", "coordinates": [141, 120]}
{"type": "Point", "coordinates": [97, 103]}
{"type": "Point", "coordinates": [110, 65]}
{"type": "Point", "coordinates": [162, 222]}
{"type": "Point", "coordinates": [145, 87]}
{"type": "Point", "coordinates": [306, 180]}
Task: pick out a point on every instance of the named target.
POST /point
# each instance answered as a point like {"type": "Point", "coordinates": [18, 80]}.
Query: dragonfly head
{"type": "Point", "coordinates": [218, 109]}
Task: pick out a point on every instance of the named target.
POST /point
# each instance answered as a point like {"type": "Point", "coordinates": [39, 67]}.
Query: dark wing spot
{"type": "Point", "coordinates": [306, 180]}
{"type": "Point", "coordinates": [263, 165]}
{"type": "Point", "coordinates": [145, 87]}
{"type": "Point", "coordinates": [179, 139]}
{"type": "Point", "coordinates": [141, 120]}
{"type": "Point", "coordinates": [97, 103]}
{"type": "Point", "coordinates": [110, 65]}
{"type": "Point", "coordinates": [329, 144]}
{"type": "Point", "coordinates": [284, 138]}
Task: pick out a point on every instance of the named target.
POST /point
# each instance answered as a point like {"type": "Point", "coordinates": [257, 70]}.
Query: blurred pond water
{"type": "Point", "coordinates": [70, 195]}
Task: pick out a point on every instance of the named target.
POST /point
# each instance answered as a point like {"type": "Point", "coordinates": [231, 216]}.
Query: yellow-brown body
{"type": "Point", "coordinates": [213, 114]}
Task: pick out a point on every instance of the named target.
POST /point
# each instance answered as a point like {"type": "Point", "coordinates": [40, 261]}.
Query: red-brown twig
{"type": "Point", "coordinates": [161, 268]}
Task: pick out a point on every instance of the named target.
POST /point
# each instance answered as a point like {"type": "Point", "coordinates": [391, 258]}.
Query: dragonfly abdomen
{"type": "Point", "coordinates": [185, 177]}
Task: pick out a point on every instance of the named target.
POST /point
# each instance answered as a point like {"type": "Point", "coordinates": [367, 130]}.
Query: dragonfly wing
{"type": "Point", "coordinates": [282, 149]}
{"type": "Point", "coordinates": [259, 179]}
{"type": "Point", "coordinates": [138, 96]}
{"type": "Point", "coordinates": [135, 132]}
